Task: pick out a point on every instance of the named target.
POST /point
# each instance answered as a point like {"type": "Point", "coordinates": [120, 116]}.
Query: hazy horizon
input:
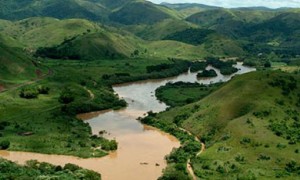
{"type": "Point", "coordinates": [239, 3]}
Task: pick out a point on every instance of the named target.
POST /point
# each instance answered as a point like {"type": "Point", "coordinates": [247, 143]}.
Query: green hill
{"type": "Point", "coordinates": [188, 9]}
{"type": "Point", "coordinates": [140, 12]}
{"type": "Point", "coordinates": [15, 10]}
{"type": "Point", "coordinates": [92, 46]}
{"type": "Point", "coordinates": [229, 21]}
{"type": "Point", "coordinates": [250, 127]}
{"type": "Point", "coordinates": [160, 29]}
{"type": "Point", "coordinates": [16, 66]}
{"type": "Point", "coordinates": [35, 32]}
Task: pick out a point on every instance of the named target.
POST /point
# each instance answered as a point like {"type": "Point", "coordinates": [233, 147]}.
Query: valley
{"type": "Point", "coordinates": [130, 89]}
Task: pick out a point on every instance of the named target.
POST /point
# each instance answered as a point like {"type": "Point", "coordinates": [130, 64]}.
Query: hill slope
{"type": "Point", "coordinates": [16, 67]}
{"type": "Point", "coordinates": [35, 32]}
{"type": "Point", "coordinates": [249, 125]}
{"type": "Point", "coordinates": [92, 46]}
{"type": "Point", "coordinates": [139, 12]}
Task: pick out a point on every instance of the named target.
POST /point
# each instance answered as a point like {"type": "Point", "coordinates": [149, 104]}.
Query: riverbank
{"type": "Point", "coordinates": [142, 101]}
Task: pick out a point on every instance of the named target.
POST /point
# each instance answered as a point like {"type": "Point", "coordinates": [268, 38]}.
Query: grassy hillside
{"type": "Point", "coordinates": [160, 29]}
{"type": "Point", "coordinates": [279, 33]}
{"type": "Point", "coordinates": [92, 46]}
{"type": "Point", "coordinates": [16, 10]}
{"type": "Point", "coordinates": [139, 12]}
{"type": "Point", "coordinates": [35, 32]}
{"type": "Point", "coordinates": [229, 21]}
{"type": "Point", "coordinates": [16, 66]}
{"type": "Point", "coordinates": [250, 127]}
{"type": "Point", "coordinates": [188, 9]}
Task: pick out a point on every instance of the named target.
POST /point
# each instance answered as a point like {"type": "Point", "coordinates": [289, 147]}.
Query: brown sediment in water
{"type": "Point", "coordinates": [142, 149]}
{"type": "Point", "coordinates": [126, 163]}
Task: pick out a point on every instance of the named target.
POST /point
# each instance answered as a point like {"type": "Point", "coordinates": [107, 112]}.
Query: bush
{"type": "Point", "coordinates": [66, 96]}
{"type": "Point", "coordinates": [4, 144]}
{"type": "Point", "coordinates": [43, 90]}
{"type": "Point", "coordinates": [207, 73]}
{"type": "Point", "coordinates": [29, 93]}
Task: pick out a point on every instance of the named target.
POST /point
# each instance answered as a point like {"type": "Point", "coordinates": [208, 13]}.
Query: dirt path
{"type": "Point", "coordinates": [188, 164]}
{"type": "Point", "coordinates": [92, 95]}
{"type": "Point", "coordinates": [49, 73]}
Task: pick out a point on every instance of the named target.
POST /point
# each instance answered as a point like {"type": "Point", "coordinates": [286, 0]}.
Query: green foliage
{"type": "Point", "coordinates": [66, 96]}
{"type": "Point", "coordinates": [207, 73]}
{"type": "Point", "coordinates": [4, 144]}
{"type": "Point", "coordinates": [191, 36]}
{"type": "Point", "coordinates": [197, 66]}
{"type": "Point", "coordinates": [139, 13]}
{"type": "Point", "coordinates": [226, 68]}
{"type": "Point", "coordinates": [41, 170]}
{"type": "Point", "coordinates": [240, 123]}
{"type": "Point", "coordinates": [180, 93]}
{"type": "Point", "coordinates": [29, 93]}
{"type": "Point", "coordinates": [43, 89]}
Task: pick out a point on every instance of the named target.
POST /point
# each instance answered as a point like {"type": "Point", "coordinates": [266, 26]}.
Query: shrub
{"type": "Point", "coordinates": [66, 96]}
{"type": "Point", "coordinates": [4, 144]}
{"type": "Point", "coordinates": [29, 93]}
{"type": "Point", "coordinates": [43, 89]}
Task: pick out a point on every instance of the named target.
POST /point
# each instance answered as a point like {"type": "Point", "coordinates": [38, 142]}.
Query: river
{"type": "Point", "coordinates": [142, 149]}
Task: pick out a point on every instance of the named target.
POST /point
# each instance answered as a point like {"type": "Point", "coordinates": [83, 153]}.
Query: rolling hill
{"type": "Point", "coordinates": [160, 29]}
{"type": "Point", "coordinates": [188, 9]}
{"type": "Point", "coordinates": [16, 66]}
{"type": "Point", "coordinates": [140, 12]}
{"type": "Point", "coordinates": [35, 32]}
{"type": "Point", "coordinates": [92, 46]}
{"type": "Point", "coordinates": [16, 10]}
{"type": "Point", "coordinates": [229, 22]}
{"type": "Point", "coordinates": [248, 125]}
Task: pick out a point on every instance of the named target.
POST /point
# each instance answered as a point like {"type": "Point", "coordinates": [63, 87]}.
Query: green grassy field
{"type": "Point", "coordinates": [249, 127]}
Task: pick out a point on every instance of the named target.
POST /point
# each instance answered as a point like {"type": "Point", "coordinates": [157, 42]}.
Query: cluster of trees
{"type": "Point", "coordinates": [197, 66]}
{"type": "Point", "coordinates": [287, 84]}
{"type": "Point", "coordinates": [207, 73]}
{"type": "Point", "coordinates": [226, 68]}
{"type": "Point", "coordinates": [153, 72]}
{"type": "Point", "coordinates": [56, 52]}
{"type": "Point", "coordinates": [105, 144]}
{"type": "Point", "coordinates": [42, 170]}
{"type": "Point", "coordinates": [33, 92]}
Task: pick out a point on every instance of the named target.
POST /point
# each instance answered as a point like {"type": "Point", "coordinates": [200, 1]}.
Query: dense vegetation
{"type": "Point", "coordinates": [207, 73]}
{"type": "Point", "coordinates": [249, 124]}
{"type": "Point", "coordinates": [226, 67]}
{"type": "Point", "coordinates": [37, 170]}
{"type": "Point", "coordinates": [180, 93]}
{"type": "Point", "coordinates": [190, 36]}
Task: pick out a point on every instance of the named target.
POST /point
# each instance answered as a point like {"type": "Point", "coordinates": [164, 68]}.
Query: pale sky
{"type": "Point", "coordinates": [239, 3]}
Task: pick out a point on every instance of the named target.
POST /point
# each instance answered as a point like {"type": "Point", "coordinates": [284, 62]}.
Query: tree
{"type": "Point", "coordinates": [4, 144]}
{"type": "Point", "coordinates": [66, 96]}
{"type": "Point", "coordinates": [267, 64]}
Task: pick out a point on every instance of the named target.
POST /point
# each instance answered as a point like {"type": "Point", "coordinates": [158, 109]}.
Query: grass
{"type": "Point", "coordinates": [238, 123]}
{"type": "Point", "coordinates": [179, 94]}
{"type": "Point", "coordinates": [35, 32]}
{"type": "Point", "coordinates": [64, 133]}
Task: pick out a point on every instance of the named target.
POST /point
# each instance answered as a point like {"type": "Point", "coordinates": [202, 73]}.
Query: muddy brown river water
{"type": "Point", "coordinates": [142, 149]}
